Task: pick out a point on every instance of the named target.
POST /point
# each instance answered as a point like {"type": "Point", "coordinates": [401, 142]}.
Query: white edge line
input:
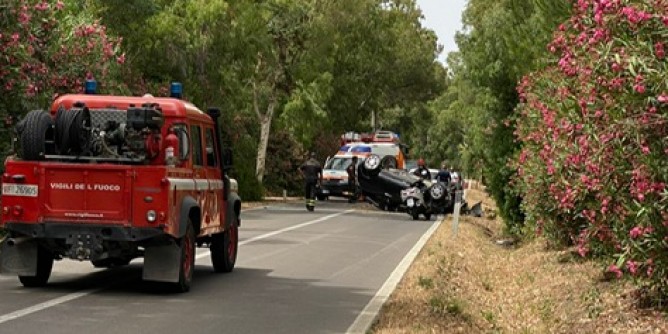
{"type": "Point", "coordinates": [76, 295]}
{"type": "Point", "coordinates": [287, 229]}
{"type": "Point", "coordinates": [366, 318]}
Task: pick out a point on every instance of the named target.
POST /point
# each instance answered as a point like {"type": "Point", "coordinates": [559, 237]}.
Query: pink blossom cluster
{"type": "Point", "coordinates": [43, 57]}
{"type": "Point", "coordinates": [593, 167]}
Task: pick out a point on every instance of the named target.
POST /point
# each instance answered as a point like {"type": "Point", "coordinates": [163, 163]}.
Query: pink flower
{"type": "Point", "coordinates": [42, 6]}
{"type": "Point", "coordinates": [632, 266]}
{"type": "Point", "coordinates": [615, 270]}
{"type": "Point", "coordinates": [582, 250]}
{"type": "Point", "coordinates": [636, 232]}
{"type": "Point", "coordinates": [659, 50]}
{"type": "Point", "coordinates": [639, 88]}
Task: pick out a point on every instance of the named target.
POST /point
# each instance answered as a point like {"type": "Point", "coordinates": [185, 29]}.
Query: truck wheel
{"type": "Point", "coordinates": [44, 266]}
{"type": "Point", "coordinates": [224, 249]}
{"type": "Point", "coordinates": [187, 266]}
{"type": "Point", "coordinates": [36, 135]}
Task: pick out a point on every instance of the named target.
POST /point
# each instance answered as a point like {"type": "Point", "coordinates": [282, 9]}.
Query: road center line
{"type": "Point", "coordinates": [76, 295]}
{"type": "Point", "coordinates": [287, 229]}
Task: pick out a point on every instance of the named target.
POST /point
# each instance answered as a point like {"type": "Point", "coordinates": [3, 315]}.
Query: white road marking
{"type": "Point", "coordinates": [47, 304]}
{"type": "Point", "coordinates": [76, 295]}
{"type": "Point", "coordinates": [287, 229]}
{"type": "Point", "coordinates": [364, 320]}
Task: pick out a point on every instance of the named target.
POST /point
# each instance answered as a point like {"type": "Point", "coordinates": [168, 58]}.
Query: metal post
{"type": "Point", "coordinates": [455, 215]}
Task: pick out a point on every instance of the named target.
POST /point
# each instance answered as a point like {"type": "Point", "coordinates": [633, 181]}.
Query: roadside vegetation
{"type": "Point", "coordinates": [474, 283]}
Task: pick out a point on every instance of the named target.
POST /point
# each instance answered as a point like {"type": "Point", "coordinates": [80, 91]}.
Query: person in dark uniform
{"type": "Point", "coordinates": [444, 175]}
{"type": "Point", "coordinates": [312, 171]}
{"type": "Point", "coordinates": [422, 171]}
{"type": "Point", "coordinates": [352, 179]}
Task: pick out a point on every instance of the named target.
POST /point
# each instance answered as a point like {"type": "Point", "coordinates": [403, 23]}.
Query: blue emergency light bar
{"type": "Point", "coordinates": [176, 90]}
{"type": "Point", "coordinates": [91, 86]}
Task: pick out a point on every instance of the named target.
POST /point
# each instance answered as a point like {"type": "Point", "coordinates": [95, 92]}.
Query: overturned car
{"type": "Point", "coordinates": [393, 190]}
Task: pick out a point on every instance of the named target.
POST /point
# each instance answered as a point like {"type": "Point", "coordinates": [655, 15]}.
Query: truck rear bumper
{"type": "Point", "coordinates": [64, 231]}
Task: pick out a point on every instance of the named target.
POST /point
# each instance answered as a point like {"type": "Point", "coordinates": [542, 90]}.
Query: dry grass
{"type": "Point", "coordinates": [472, 285]}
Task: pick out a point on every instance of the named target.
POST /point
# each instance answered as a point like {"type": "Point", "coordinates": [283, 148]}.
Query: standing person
{"type": "Point", "coordinates": [312, 171]}
{"type": "Point", "coordinates": [444, 175]}
{"type": "Point", "coordinates": [422, 171]}
{"type": "Point", "coordinates": [456, 180]}
{"type": "Point", "coordinates": [352, 179]}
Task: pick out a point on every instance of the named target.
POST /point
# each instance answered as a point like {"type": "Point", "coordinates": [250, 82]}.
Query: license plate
{"type": "Point", "coordinates": [325, 191]}
{"type": "Point", "coordinates": [24, 190]}
{"type": "Point", "coordinates": [410, 202]}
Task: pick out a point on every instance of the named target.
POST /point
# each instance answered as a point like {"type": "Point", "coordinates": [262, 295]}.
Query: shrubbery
{"type": "Point", "coordinates": [594, 164]}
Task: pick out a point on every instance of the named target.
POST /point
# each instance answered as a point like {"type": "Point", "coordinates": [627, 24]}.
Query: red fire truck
{"type": "Point", "coordinates": [108, 179]}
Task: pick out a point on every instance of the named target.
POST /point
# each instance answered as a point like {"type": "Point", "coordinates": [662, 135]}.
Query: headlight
{"type": "Point", "coordinates": [151, 216]}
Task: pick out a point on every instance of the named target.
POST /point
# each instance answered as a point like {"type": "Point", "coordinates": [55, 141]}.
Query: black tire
{"type": "Point", "coordinates": [437, 191]}
{"type": "Point", "coordinates": [187, 265]}
{"type": "Point", "coordinates": [427, 216]}
{"type": "Point", "coordinates": [36, 135]}
{"type": "Point", "coordinates": [44, 266]}
{"type": "Point", "coordinates": [389, 162]}
{"type": "Point", "coordinates": [321, 197]}
{"type": "Point", "coordinates": [224, 247]}
{"type": "Point", "coordinates": [415, 214]}
{"type": "Point", "coordinates": [73, 130]}
{"type": "Point", "coordinates": [310, 208]}
{"type": "Point", "coordinates": [371, 166]}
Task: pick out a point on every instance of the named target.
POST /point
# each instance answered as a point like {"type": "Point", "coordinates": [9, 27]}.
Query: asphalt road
{"type": "Point", "coordinates": [298, 272]}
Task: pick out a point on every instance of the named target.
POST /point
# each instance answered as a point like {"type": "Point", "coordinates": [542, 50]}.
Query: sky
{"type": "Point", "coordinates": [445, 18]}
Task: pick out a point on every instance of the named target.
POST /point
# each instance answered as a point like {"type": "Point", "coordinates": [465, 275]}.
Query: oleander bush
{"type": "Point", "coordinates": [594, 132]}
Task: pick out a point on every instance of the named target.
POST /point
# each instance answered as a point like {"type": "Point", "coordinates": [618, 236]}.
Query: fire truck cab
{"type": "Point", "coordinates": [107, 179]}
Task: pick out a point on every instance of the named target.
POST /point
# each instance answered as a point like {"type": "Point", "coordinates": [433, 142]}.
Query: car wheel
{"type": "Point", "coordinates": [372, 165]}
{"type": "Point", "coordinates": [437, 191]}
{"type": "Point", "coordinates": [389, 162]}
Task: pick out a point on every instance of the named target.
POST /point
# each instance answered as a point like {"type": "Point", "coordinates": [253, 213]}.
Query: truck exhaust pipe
{"type": "Point", "coordinates": [17, 241]}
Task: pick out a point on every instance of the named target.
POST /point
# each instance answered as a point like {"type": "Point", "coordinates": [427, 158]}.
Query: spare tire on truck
{"type": "Point", "coordinates": [36, 135]}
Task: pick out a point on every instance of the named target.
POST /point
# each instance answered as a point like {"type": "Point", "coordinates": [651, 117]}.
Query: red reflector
{"type": "Point", "coordinates": [5, 210]}
{"type": "Point", "coordinates": [17, 210]}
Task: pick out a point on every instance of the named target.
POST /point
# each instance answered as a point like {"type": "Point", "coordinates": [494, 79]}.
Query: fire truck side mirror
{"type": "Point", "coordinates": [227, 159]}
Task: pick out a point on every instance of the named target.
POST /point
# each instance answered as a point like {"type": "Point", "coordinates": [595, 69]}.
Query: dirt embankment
{"type": "Point", "coordinates": [471, 284]}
